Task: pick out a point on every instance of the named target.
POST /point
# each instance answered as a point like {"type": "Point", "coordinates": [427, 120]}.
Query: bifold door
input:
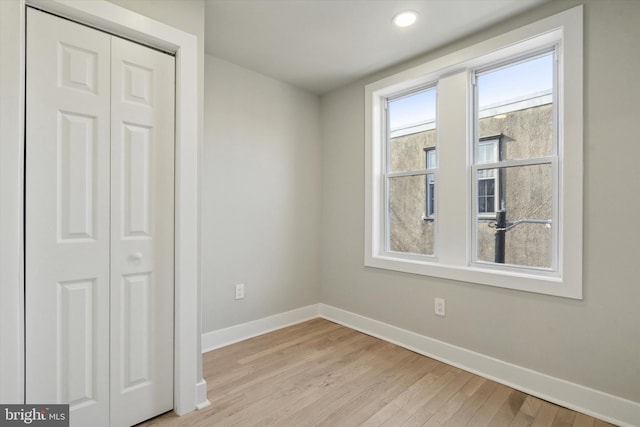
{"type": "Point", "coordinates": [99, 221]}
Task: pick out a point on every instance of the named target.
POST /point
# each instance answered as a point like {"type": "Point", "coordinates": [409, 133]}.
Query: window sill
{"type": "Point", "coordinates": [537, 281]}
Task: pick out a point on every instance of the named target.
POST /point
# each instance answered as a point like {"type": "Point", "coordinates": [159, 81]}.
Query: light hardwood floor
{"type": "Point", "coordinates": [319, 373]}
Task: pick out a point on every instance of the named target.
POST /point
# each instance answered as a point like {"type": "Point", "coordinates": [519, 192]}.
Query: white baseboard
{"type": "Point", "coordinates": [613, 409]}
{"type": "Point", "coordinates": [201, 395]}
{"type": "Point", "coordinates": [592, 402]}
{"type": "Point", "coordinates": [243, 331]}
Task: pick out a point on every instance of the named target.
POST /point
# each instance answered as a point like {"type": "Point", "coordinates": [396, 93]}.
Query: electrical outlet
{"type": "Point", "coordinates": [438, 304]}
{"type": "Point", "coordinates": [240, 291]}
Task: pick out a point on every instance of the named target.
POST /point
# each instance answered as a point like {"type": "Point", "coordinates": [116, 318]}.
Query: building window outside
{"type": "Point", "coordinates": [488, 193]}
{"type": "Point", "coordinates": [504, 209]}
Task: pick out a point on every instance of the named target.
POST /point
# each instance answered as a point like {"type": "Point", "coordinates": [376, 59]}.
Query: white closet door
{"type": "Point", "coordinates": [99, 224]}
{"type": "Point", "coordinates": [67, 217]}
{"type": "Point", "coordinates": [142, 218]}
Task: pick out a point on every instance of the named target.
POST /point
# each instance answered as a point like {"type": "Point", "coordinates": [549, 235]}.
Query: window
{"type": "Point", "coordinates": [466, 176]}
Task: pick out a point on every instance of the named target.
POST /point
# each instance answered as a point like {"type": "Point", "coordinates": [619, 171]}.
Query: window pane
{"type": "Point", "coordinates": [525, 195]}
{"type": "Point", "coordinates": [412, 128]}
{"type": "Point", "coordinates": [517, 102]}
{"type": "Point", "coordinates": [409, 232]}
{"type": "Point", "coordinates": [488, 151]}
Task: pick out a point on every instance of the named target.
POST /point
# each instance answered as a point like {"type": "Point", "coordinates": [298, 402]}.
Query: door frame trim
{"type": "Point", "coordinates": [188, 381]}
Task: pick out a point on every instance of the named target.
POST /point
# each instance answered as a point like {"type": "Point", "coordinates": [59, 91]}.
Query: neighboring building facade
{"type": "Point", "coordinates": [522, 129]}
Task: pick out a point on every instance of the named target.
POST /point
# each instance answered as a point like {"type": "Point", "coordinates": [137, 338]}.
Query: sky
{"type": "Point", "coordinates": [495, 86]}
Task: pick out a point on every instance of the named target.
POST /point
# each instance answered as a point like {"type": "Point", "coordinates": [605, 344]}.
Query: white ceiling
{"type": "Point", "coordinates": [320, 45]}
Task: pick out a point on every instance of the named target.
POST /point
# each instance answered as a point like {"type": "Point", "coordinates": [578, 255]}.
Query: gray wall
{"type": "Point", "coordinates": [260, 196]}
{"type": "Point", "coordinates": [594, 342]}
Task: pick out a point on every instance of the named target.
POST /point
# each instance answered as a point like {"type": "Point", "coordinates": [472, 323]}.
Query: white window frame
{"type": "Point", "coordinates": [454, 214]}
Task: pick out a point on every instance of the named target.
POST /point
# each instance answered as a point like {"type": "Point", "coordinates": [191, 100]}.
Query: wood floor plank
{"type": "Point", "coordinates": [490, 408]}
{"type": "Point", "coordinates": [412, 397]}
{"type": "Point", "coordinates": [402, 416]}
{"type": "Point", "coordinates": [290, 364]}
{"type": "Point", "coordinates": [599, 423]}
{"type": "Point", "coordinates": [327, 372]}
{"type": "Point", "coordinates": [527, 412]}
{"type": "Point", "coordinates": [401, 413]}
{"type": "Point", "coordinates": [509, 409]}
{"type": "Point", "coordinates": [321, 374]}
{"type": "Point", "coordinates": [564, 418]}
{"type": "Point", "coordinates": [229, 355]}
{"type": "Point", "coordinates": [453, 405]}
{"type": "Point", "coordinates": [328, 402]}
{"type": "Point", "coordinates": [472, 404]}
{"type": "Point", "coordinates": [426, 411]}
{"type": "Point", "coordinates": [293, 352]}
{"type": "Point", "coordinates": [393, 382]}
{"type": "Point", "coordinates": [583, 420]}
{"type": "Point", "coordinates": [545, 416]}
{"type": "Point", "coordinates": [318, 338]}
{"type": "Point", "coordinates": [259, 385]}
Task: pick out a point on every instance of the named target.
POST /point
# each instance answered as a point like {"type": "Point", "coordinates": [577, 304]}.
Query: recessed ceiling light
{"type": "Point", "coordinates": [406, 18]}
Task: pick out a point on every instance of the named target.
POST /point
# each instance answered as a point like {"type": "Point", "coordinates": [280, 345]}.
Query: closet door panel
{"type": "Point", "coordinates": [67, 217]}
{"type": "Point", "coordinates": [99, 224]}
{"type": "Point", "coordinates": [142, 212]}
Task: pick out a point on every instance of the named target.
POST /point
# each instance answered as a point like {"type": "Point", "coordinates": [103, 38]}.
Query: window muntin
{"type": "Point", "coordinates": [411, 120]}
